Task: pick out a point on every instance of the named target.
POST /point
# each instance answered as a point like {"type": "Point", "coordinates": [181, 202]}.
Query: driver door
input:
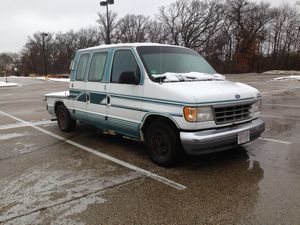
{"type": "Point", "coordinates": [124, 95]}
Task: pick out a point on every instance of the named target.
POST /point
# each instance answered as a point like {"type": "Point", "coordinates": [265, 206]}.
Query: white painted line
{"type": "Point", "coordinates": [20, 125]}
{"type": "Point", "coordinates": [102, 155]}
{"type": "Point", "coordinates": [281, 117]}
{"type": "Point", "coordinates": [280, 105]}
{"type": "Point", "coordinates": [274, 140]}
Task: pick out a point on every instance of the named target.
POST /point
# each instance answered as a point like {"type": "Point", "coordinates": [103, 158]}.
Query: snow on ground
{"type": "Point", "coordinates": [281, 72]}
{"type": "Point", "coordinates": [19, 77]}
{"type": "Point", "coordinates": [8, 84]}
{"type": "Point", "coordinates": [54, 79]}
{"type": "Point", "coordinates": [60, 79]}
{"type": "Point", "coordinates": [288, 78]}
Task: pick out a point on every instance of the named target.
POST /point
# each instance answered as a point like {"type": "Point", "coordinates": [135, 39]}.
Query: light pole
{"type": "Point", "coordinates": [6, 75]}
{"type": "Point", "coordinates": [44, 53]}
{"type": "Point", "coordinates": [8, 68]}
{"type": "Point", "coordinates": [106, 3]}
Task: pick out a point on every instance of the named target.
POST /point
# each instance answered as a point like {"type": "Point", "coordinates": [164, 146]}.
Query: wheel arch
{"type": "Point", "coordinates": [151, 117]}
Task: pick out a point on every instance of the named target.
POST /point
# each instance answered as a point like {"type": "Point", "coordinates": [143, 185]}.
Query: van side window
{"type": "Point", "coordinates": [81, 67]}
{"type": "Point", "coordinates": [124, 61]}
{"type": "Point", "coordinates": [97, 66]}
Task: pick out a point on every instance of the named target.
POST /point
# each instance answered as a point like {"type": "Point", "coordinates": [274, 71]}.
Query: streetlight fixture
{"type": "Point", "coordinates": [106, 3]}
{"type": "Point", "coordinates": [44, 53]}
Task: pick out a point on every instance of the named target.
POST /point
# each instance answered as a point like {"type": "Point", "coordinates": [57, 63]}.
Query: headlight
{"type": "Point", "coordinates": [256, 108]}
{"type": "Point", "coordinates": [193, 114]}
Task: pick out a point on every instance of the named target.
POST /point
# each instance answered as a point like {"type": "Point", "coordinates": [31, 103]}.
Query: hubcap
{"type": "Point", "coordinates": [62, 118]}
{"type": "Point", "coordinates": [160, 144]}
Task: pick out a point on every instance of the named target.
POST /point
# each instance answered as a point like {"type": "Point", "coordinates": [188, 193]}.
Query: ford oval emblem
{"type": "Point", "coordinates": [237, 96]}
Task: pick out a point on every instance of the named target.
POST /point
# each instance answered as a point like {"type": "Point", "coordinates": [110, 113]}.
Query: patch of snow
{"type": "Point", "coordinates": [4, 84]}
{"type": "Point", "coordinates": [54, 79]}
{"type": "Point", "coordinates": [22, 147]}
{"type": "Point", "coordinates": [281, 72]}
{"type": "Point", "coordinates": [19, 77]}
{"type": "Point", "coordinates": [288, 78]}
{"type": "Point", "coordinates": [65, 212]}
{"type": "Point", "coordinates": [192, 76]}
{"type": "Point", "coordinates": [60, 79]}
{"type": "Point", "coordinates": [61, 214]}
{"type": "Point", "coordinates": [52, 189]}
{"type": "Point", "coordinates": [10, 136]}
{"type": "Point", "coordinates": [20, 124]}
{"type": "Point", "coordinates": [40, 78]}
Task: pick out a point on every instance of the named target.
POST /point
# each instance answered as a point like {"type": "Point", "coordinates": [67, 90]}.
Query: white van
{"type": "Point", "coordinates": [167, 96]}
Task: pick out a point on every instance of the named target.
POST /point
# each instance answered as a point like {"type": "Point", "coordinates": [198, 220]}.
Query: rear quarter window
{"type": "Point", "coordinates": [97, 66]}
{"type": "Point", "coordinates": [81, 68]}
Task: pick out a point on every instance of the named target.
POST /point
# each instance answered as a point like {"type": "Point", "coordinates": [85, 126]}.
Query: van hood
{"type": "Point", "coordinates": [212, 91]}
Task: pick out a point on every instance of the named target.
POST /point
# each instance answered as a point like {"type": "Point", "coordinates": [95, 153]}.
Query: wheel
{"type": "Point", "coordinates": [162, 144]}
{"type": "Point", "coordinates": [64, 120]}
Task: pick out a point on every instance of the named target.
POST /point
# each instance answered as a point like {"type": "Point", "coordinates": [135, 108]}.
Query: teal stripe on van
{"type": "Point", "coordinates": [168, 102]}
{"type": "Point", "coordinates": [125, 127]}
{"type": "Point", "coordinates": [143, 110]}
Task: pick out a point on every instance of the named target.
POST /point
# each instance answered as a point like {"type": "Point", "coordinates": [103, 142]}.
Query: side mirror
{"type": "Point", "coordinates": [128, 77]}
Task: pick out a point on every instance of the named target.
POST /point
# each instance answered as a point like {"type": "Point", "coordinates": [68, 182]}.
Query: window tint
{"type": "Point", "coordinates": [81, 67]}
{"type": "Point", "coordinates": [97, 66]}
{"type": "Point", "coordinates": [124, 61]}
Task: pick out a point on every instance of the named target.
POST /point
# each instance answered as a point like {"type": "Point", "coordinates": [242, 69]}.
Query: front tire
{"type": "Point", "coordinates": [162, 144]}
{"type": "Point", "coordinates": [64, 119]}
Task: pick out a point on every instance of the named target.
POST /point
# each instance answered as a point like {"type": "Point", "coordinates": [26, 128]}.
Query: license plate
{"type": "Point", "coordinates": [243, 137]}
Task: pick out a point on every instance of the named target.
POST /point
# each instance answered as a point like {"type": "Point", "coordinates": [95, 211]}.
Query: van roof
{"type": "Point", "coordinates": [127, 45]}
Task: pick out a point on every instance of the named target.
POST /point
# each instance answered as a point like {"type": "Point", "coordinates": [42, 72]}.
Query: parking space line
{"type": "Point", "coordinates": [281, 117]}
{"type": "Point", "coordinates": [280, 105]}
{"type": "Point", "coordinates": [102, 155]}
{"type": "Point", "coordinates": [20, 125]}
{"type": "Point", "coordinates": [275, 140]}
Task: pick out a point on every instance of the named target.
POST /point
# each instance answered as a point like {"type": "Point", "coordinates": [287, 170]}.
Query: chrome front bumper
{"type": "Point", "coordinates": [214, 140]}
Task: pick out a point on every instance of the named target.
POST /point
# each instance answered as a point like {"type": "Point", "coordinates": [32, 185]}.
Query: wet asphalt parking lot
{"type": "Point", "coordinates": [86, 177]}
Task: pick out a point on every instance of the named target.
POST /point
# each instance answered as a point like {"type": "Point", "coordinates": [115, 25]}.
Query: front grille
{"type": "Point", "coordinates": [232, 113]}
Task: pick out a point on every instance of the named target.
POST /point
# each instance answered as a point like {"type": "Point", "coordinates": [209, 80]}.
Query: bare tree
{"type": "Point", "coordinates": [192, 23]}
{"type": "Point", "coordinates": [170, 16]}
{"type": "Point", "coordinates": [102, 21]}
{"type": "Point", "coordinates": [64, 50]}
{"type": "Point", "coordinates": [89, 37]}
{"type": "Point", "coordinates": [132, 28]}
{"type": "Point", "coordinates": [157, 32]}
{"type": "Point", "coordinates": [248, 22]}
{"type": "Point", "coordinates": [234, 35]}
{"type": "Point", "coordinates": [6, 61]}
{"type": "Point", "coordinates": [32, 53]}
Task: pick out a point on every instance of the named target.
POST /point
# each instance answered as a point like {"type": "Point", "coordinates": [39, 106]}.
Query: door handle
{"type": "Point", "coordinates": [108, 100]}
{"type": "Point", "coordinates": [87, 97]}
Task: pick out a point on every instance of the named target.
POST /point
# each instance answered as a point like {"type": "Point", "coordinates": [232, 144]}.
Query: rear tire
{"type": "Point", "coordinates": [64, 119]}
{"type": "Point", "coordinates": [162, 144]}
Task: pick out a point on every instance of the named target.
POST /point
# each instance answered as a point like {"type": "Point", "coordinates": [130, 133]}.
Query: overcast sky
{"type": "Point", "coordinates": [20, 19]}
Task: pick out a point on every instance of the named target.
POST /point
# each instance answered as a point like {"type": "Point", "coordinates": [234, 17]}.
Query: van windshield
{"type": "Point", "coordinates": [175, 64]}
